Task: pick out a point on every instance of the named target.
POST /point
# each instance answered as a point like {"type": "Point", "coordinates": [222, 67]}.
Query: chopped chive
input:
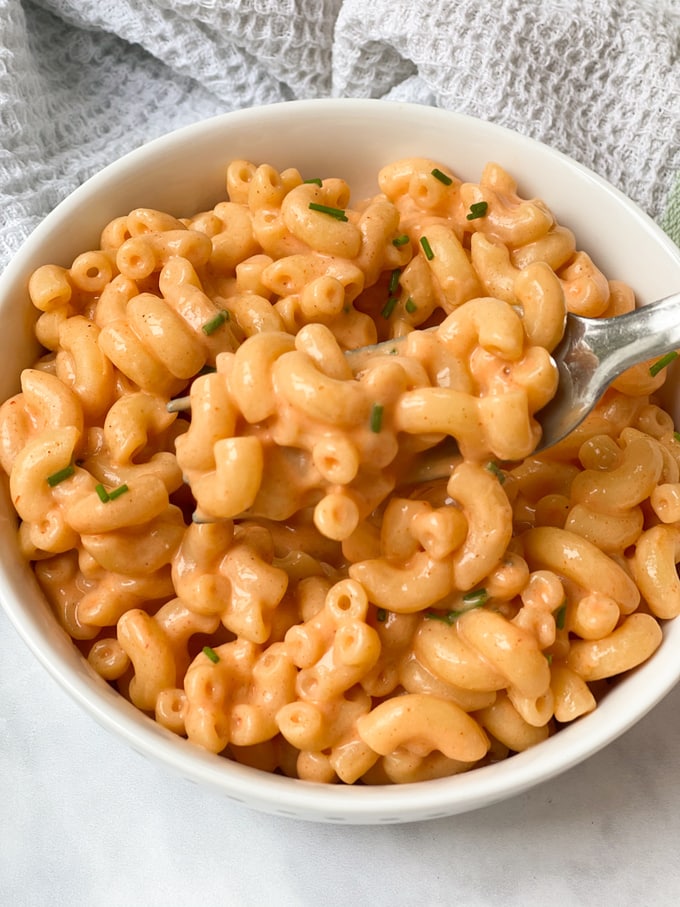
{"type": "Point", "coordinates": [337, 213]}
{"type": "Point", "coordinates": [448, 617]}
{"type": "Point", "coordinates": [315, 180]}
{"type": "Point", "coordinates": [60, 475]}
{"type": "Point", "coordinates": [381, 615]}
{"type": "Point", "coordinates": [102, 492]}
{"type": "Point", "coordinates": [106, 496]}
{"type": "Point", "coordinates": [388, 308]}
{"type": "Point", "coordinates": [662, 363]}
{"type": "Point", "coordinates": [427, 248]}
{"type": "Point", "coordinates": [215, 323]}
{"type": "Point", "coordinates": [393, 351]}
{"type": "Point", "coordinates": [376, 417]}
{"type": "Point", "coordinates": [117, 492]}
{"type": "Point", "coordinates": [207, 370]}
{"type": "Point", "coordinates": [479, 209]}
{"type": "Point", "coordinates": [496, 470]}
{"type": "Point", "coordinates": [476, 598]}
{"type": "Point", "coordinates": [442, 177]}
{"type": "Point", "coordinates": [400, 240]}
{"type": "Point", "coordinates": [410, 306]}
{"type": "Point", "coordinates": [548, 656]}
{"type": "Point", "coordinates": [676, 435]}
{"type": "Point", "coordinates": [394, 281]}
{"type": "Point", "coordinates": [211, 654]}
{"type": "Point", "coordinates": [561, 616]}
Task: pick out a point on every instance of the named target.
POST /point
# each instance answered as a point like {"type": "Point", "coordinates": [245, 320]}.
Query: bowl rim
{"type": "Point", "coordinates": [352, 804]}
{"type": "Point", "coordinates": [366, 108]}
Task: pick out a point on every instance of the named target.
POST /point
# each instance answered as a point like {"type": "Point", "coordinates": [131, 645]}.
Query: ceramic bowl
{"type": "Point", "coordinates": [183, 173]}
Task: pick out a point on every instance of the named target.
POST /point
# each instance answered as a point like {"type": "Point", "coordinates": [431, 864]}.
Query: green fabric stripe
{"type": "Point", "coordinates": [671, 219]}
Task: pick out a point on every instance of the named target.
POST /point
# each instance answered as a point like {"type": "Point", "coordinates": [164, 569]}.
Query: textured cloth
{"type": "Point", "coordinates": [671, 218]}
{"type": "Point", "coordinates": [83, 81]}
{"type": "Point", "coordinates": [86, 821]}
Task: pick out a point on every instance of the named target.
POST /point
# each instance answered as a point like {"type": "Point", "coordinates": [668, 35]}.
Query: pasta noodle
{"type": "Point", "coordinates": [242, 527]}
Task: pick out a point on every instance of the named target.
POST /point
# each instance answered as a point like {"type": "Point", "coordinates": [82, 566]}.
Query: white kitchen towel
{"type": "Point", "coordinates": [83, 81]}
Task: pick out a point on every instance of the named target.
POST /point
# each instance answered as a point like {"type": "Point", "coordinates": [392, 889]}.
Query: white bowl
{"type": "Point", "coordinates": [183, 173]}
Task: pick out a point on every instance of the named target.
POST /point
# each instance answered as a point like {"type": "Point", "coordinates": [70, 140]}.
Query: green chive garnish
{"type": "Point", "coordinates": [442, 177]}
{"type": "Point", "coordinates": [410, 306]}
{"type": "Point", "coordinates": [662, 363]}
{"type": "Point", "coordinates": [448, 617]}
{"type": "Point", "coordinates": [315, 180]}
{"type": "Point", "coordinates": [117, 492]}
{"type": "Point", "coordinates": [676, 435]}
{"type": "Point", "coordinates": [561, 616]}
{"type": "Point", "coordinates": [394, 281]}
{"type": "Point", "coordinates": [106, 496]}
{"type": "Point", "coordinates": [496, 470]}
{"type": "Point", "coordinates": [400, 240]}
{"type": "Point", "coordinates": [388, 308]}
{"type": "Point", "coordinates": [102, 492]}
{"type": "Point", "coordinates": [476, 598]}
{"type": "Point", "coordinates": [427, 248]}
{"type": "Point", "coordinates": [207, 370]}
{"type": "Point", "coordinates": [211, 654]}
{"type": "Point", "coordinates": [337, 213]}
{"type": "Point", "coordinates": [376, 417]}
{"type": "Point", "coordinates": [381, 615]}
{"type": "Point", "coordinates": [548, 656]}
{"type": "Point", "coordinates": [59, 476]}
{"type": "Point", "coordinates": [215, 323]}
{"type": "Point", "coordinates": [479, 209]}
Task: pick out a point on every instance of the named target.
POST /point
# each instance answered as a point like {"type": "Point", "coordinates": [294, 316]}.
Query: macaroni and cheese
{"type": "Point", "coordinates": [261, 538]}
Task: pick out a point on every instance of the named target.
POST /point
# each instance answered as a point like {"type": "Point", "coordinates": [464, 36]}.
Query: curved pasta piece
{"type": "Point", "coordinates": [511, 650]}
{"type": "Point", "coordinates": [571, 556]}
{"type": "Point", "coordinates": [489, 517]}
{"type": "Point", "coordinates": [50, 403]}
{"type": "Point", "coordinates": [423, 723]}
{"type": "Point", "coordinates": [420, 584]}
{"type": "Point", "coordinates": [450, 658]}
{"type": "Point", "coordinates": [30, 481]}
{"type": "Point", "coordinates": [629, 483]}
{"type": "Point", "coordinates": [653, 565]}
{"type": "Point", "coordinates": [632, 643]}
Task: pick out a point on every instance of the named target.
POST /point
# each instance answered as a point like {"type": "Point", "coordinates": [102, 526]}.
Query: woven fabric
{"type": "Point", "coordinates": [84, 81]}
{"type": "Point", "coordinates": [671, 219]}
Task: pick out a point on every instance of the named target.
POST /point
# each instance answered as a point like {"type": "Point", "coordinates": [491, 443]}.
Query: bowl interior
{"type": "Point", "coordinates": [184, 173]}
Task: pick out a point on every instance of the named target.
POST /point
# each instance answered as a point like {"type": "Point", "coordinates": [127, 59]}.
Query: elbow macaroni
{"type": "Point", "coordinates": [234, 518]}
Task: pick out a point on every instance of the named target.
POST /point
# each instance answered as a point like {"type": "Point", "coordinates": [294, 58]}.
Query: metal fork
{"type": "Point", "coordinates": [592, 353]}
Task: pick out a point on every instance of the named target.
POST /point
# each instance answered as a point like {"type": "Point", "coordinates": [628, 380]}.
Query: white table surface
{"type": "Point", "coordinates": [87, 821]}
